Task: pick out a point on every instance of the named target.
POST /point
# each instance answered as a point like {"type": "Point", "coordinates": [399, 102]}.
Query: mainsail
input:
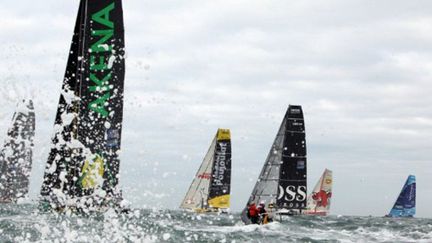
{"type": "Point", "coordinates": [82, 170]}
{"type": "Point", "coordinates": [16, 155]}
{"type": "Point", "coordinates": [282, 181]}
{"type": "Point", "coordinates": [210, 189]}
{"type": "Point", "coordinates": [405, 203]}
{"type": "Point", "coordinates": [318, 202]}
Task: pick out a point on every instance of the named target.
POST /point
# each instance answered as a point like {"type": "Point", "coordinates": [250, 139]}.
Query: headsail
{"type": "Point", "coordinates": [282, 180]}
{"type": "Point", "coordinates": [405, 205]}
{"type": "Point", "coordinates": [210, 189]}
{"type": "Point", "coordinates": [318, 202]}
{"type": "Point", "coordinates": [16, 155]}
{"type": "Point", "coordinates": [83, 166]}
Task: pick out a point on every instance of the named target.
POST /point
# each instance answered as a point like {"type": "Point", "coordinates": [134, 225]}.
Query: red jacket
{"type": "Point", "coordinates": [253, 211]}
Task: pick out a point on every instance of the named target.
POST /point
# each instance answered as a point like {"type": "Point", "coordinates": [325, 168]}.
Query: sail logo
{"type": "Point", "coordinates": [101, 60]}
{"type": "Point", "coordinates": [295, 111]}
{"type": "Point", "coordinates": [220, 165]}
{"type": "Point", "coordinates": [204, 176]}
{"type": "Point", "coordinates": [292, 193]}
{"type": "Point", "coordinates": [322, 198]}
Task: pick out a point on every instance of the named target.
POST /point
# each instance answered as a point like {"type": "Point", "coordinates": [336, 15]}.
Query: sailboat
{"type": "Point", "coordinates": [82, 170]}
{"type": "Point", "coordinates": [405, 205]}
{"type": "Point", "coordinates": [210, 189]}
{"type": "Point", "coordinates": [16, 155]}
{"type": "Point", "coordinates": [282, 181]}
{"type": "Point", "coordinates": [318, 202]}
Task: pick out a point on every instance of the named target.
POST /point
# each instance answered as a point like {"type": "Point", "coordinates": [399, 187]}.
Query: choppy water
{"type": "Point", "coordinates": [24, 223]}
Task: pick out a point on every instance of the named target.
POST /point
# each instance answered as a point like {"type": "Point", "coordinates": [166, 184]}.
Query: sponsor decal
{"type": "Point", "coordinates": [292, 193]}
{"type": "Point", "coordinates": [113, 136]}
{"type": "Point", "coordinates": [322, 198]}
{"type": "Point", "coordinates": [101, 54]}
{"type": "Point", "coordinates": [301, 165]}
{"type": "Point", "coordinates": [295, 111]}
{"type": "Point", "coordinates": [204, 176]}
{"type": "Point", "coordinates": [220, 165]}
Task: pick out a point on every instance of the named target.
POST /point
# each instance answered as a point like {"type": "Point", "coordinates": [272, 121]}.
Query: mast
{"type": "Point", "coordinates": [16, 155]}
{"type": "Point", "coordinates": [210, 188]}
{"type": "Point", "coordinates": [282, 180]}
{"type": "Point", "coordinates": [405, 205]}
{"type": "Point", "coordinates": [84, 157]}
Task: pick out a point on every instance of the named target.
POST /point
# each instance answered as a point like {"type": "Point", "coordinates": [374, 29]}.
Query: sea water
{"type": "Point", "coordinates": [25, 223]}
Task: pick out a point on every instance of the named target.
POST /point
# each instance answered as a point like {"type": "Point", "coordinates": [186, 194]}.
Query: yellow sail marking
{"type": "Point", "coordinates": [220, 202]}
{"type": "Point", "coordinates": [92, 172]}
{"type": "Point", "coordinates": [223, 134]}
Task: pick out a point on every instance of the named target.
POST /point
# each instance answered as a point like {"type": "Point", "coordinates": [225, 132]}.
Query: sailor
{"type": "Point", "coordinates": [253, 213]}
{"type": "Point", "coordinates": [270, 212]}
{"type": "Point", "coordinates": [262, 213]}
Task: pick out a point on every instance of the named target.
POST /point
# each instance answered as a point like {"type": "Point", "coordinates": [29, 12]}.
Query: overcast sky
{"type": "Point", "coordinates": [362, 70]}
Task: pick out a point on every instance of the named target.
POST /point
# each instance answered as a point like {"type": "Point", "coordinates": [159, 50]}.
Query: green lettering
{"type": "Point", "coordinates": [98, 105]}
{"type": "Point", "coordinates": [100, 66]}
{"type": "Point", "coordinates": [101, 85]}
{"type": "Point", "coordinates": [103, 16]}
{"type": "Point", "coordinates": [101, 45]}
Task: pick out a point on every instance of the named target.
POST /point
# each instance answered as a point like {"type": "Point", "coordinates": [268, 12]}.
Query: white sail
{"type": "Point", "coordinates": [318, 202]}
{"type": "Point", "coordinates": [197, 195]}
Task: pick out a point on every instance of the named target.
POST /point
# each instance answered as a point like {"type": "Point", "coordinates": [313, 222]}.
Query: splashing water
{"type": "Point", "coordinates": [24, 223]}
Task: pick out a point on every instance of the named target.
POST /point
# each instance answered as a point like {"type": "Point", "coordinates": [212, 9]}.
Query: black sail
{"type": "Point", "coordinates": [292, 179]}
{"type": "Point", "coordinates": [282, 181]}
{"type": "Point", "coordinates": [220, 180]}
{"type": "Point", "coordinates": [16, 154]}
{"type": "Point", "coordinates": [84, 160]}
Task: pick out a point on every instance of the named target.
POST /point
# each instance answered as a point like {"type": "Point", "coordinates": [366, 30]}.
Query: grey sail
{"type": "Point", "coordinates": [16, 154]}
{"type": "Point", "coordinates": [267, 184]}
{"type": "Point", "coordinates": [282, 181]}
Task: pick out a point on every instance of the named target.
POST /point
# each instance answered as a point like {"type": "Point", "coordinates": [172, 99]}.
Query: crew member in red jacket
{"type": "Point", "coordinates": [253, 213]}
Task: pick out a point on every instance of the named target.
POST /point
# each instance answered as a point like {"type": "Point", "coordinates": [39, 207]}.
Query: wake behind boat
{"type": "Point", "coordinates": [82, 170]}
{"type": "Point", "coordinates": [210, 189]}
{"type": "Point", "coordinates": [281, 185]}
{"type": "Point", "coordinates": [16, 155]}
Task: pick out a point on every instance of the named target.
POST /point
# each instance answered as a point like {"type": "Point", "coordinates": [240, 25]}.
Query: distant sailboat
{"type": "Point", "coordinates": [16, 155]}
{"type": "Point", "coordinates": [318, 202]}
{"type": "Point", "coordinates": [210, 189]}
{"type": "Point", "coordinates": [405, 205]}
{"type": "Point", "coordinates": [282, 181]}
{"type": "Point", "coordinates": [82, 171]}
